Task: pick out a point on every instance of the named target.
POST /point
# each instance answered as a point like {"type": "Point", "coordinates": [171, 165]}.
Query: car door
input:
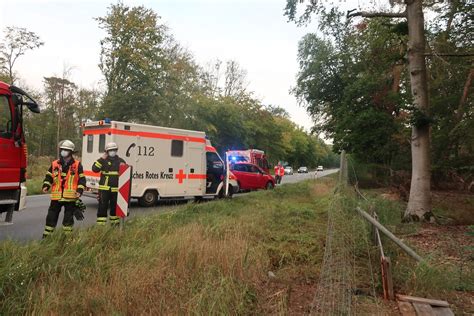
{"type": "Point", "coordinates": [256, 177]}
{"type": "Point", "coordinates": [241, 172]}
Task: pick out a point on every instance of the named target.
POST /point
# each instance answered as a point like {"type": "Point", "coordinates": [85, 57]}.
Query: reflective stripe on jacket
{"type": "Point", "coordinates": [109, 172]}
{"type": "Point", "coordinates": [65, 184]}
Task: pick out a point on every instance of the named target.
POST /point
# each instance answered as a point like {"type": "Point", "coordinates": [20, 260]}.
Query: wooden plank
{"type": "Point", "coordinates": [406, 309]}
{"type": "Point", "coordinates": [423, 309]}
{"type": "Point", "coordinates": [387, 233]}
{"type": "Point", "coordinates": [422, 300]}
{"type": "Point", "coordinates": [443, 311]}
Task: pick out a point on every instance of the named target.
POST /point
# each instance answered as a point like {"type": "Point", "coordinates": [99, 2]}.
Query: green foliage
{"type": "Point", "coordinates": [150, 78]}
{"type": "Point", "coordinates": [351, 99]}
{"type": "Point", "coordinates": [353, 80]}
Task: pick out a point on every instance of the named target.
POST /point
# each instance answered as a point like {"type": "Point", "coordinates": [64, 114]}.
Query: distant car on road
{"type": "Point", "coordinates": [252, 177]}
{"type": "Point", "coordinates": [320, 168]}
{"type": "Point", "coordinates": [303, 170]}
{"type": "Point", "coordinates": [288, 170]}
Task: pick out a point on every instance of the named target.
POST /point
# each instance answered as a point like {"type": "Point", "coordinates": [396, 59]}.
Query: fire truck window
{"type": "Point", "coordinates": [5, 118]}
{"type": "Point", "coordinates": [177, 148]}
{"type": "Point", "coordinates": [90, 143]}
{"type": "Point", "coordinates": [101, 143]}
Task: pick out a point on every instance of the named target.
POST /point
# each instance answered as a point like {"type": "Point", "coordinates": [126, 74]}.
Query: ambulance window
{"type": "Point", "coordinates": [177, 148]}
{"type": "Point", "coordinates": [5, 118]}
{"type": "Point", "coordinates": [101, 143]}
{"type": "Point", "coordinates": [90, 143]}
{"type": "Point", "coordinates": [214, 161]}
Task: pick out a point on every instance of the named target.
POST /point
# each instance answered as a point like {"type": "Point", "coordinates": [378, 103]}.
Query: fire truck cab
{"type": "Point", "coordinates": [167, 163]}
{"type": "Point", "coordinates": [255, 156]}
{"type": "Point", "coordinates": [13, 152]}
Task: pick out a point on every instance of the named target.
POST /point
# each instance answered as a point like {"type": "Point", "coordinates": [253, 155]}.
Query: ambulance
{"type": "Point", "coordinates": [167, 163]}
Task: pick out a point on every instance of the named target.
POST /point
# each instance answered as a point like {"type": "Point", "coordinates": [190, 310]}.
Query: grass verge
{"type": "Point", "coordinates": [255, 254]}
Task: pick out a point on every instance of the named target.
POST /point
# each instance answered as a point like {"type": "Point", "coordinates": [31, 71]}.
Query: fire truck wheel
{"type": "Point", "coordinates": [149, 198]}
{"type": "Point", "coordinates": [269, 185]}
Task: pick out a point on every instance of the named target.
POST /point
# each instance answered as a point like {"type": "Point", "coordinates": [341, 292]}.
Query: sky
{"type": "Point", "coordinates": [253, 32]}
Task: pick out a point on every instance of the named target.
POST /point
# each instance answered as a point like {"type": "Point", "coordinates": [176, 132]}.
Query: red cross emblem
{"type": "Point", "coordinates": [180, 176]}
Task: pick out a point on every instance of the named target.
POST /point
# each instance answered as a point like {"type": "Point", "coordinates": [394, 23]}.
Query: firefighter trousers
{"type": "Point", "coordinates": [107, 199]}
{"type": "Point", "coordinates": [278, 179]}
{"type": "Point", "coordinates": [53, 215]}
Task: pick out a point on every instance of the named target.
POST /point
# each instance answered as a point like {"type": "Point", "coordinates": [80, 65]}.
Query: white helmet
{"type": "Point", "coordinates": [111, 146]}
{"type": "Point", "coordinates": [67, 145]}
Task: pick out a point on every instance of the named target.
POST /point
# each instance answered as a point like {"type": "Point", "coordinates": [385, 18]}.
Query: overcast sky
{"type": "Point", "coordinates": [253, 32]}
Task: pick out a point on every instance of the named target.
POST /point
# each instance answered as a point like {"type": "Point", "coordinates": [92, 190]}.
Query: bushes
{"type": "Point", "coordinates": [37, 167]}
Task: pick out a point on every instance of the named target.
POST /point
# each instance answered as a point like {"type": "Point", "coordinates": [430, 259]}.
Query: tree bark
{"type": "Point", "coordinates": [419, 203]}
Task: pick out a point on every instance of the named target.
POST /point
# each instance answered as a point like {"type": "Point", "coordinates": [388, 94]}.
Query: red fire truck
{"type": "Point", "coordinates": [255, 156]}
{"type": "Point", "coordinates": [13, 148]}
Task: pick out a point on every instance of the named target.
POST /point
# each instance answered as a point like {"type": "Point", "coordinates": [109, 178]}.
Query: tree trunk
{"type": "Point", "coordinates": [419, 203]}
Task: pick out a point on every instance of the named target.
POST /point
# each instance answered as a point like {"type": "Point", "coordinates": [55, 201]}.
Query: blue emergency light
{"type": "Point", "coordinates": [107, 120]}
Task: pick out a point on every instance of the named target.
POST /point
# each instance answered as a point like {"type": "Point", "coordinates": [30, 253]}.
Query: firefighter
{"type": "Point", "coordinates": [66, 180]}
{"type": "Point", "coordinates": [108, 166]}
{"type": "Point", "coordinates": [279, 172]}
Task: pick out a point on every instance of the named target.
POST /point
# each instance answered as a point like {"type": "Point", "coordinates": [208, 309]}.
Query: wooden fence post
{"type": "Point", "coordinates": [387, 280]}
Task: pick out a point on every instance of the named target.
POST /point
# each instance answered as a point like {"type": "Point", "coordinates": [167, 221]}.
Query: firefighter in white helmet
{"type": "Point", "coordinates": [65, 178]}
{"type": "Point", "coordinates": [108, 166]}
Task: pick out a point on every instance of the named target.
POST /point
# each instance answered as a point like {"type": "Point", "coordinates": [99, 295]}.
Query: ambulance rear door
{"type": "Point", "coordinates": [196, 169]}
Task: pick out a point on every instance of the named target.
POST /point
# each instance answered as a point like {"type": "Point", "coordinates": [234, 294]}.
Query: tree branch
{"type": "Point", "coordinates": [365, 14]}
{"type": "Point", "coordinates": [450, 54]}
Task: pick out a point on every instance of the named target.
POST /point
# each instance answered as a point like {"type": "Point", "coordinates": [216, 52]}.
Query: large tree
{"type": "Point", "coordinates": [132, 62]}
{"type": "Point", "coordinates": [419, 205]}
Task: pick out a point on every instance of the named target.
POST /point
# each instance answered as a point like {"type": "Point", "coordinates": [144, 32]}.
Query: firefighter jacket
{"type": "Point", "coordinates": [109, 172]}
{"type": "Point", "coordinates": [279, 171]}
{"type": "Point", "coordinates": [65, 178]}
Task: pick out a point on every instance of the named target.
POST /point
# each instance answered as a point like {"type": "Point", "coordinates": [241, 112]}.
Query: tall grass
{"type": "Point", "coordinates": [209, 258]}
{"type": "Point", "coordinates": [436, 278]}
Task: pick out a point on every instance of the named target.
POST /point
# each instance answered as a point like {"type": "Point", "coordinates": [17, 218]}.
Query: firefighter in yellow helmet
{"type": "Point", "coordinates": [108, 166]}
{"type": "Point", "coordinates": [65, 178]}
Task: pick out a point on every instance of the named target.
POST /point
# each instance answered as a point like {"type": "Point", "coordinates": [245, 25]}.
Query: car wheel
{"type": "Point", "coordinates": [269, 185]}
{"type": "Point", "coordinates": [221, 194]}
{"type": "Point", "coordinates": [149, 198]}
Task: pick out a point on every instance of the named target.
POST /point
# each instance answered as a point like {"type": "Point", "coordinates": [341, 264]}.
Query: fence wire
{"type": "Point", "coordinates": [347, 260]}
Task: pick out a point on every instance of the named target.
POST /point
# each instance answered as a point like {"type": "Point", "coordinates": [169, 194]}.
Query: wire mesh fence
{"type": "Point", "coordinates": [347, 270]}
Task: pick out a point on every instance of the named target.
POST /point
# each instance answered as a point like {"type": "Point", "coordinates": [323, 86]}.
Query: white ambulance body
{"type": "Point", "coordinates": [167, 162]}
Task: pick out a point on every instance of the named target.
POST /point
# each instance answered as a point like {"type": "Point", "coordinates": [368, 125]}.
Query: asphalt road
{"type": "Point", "coordinates": [29, 223]}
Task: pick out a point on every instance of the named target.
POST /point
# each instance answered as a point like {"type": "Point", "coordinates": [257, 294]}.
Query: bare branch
{"type": "Point", "coordinates": [450, 54]}
{"type": "Point", "coordinates": [365, 14]}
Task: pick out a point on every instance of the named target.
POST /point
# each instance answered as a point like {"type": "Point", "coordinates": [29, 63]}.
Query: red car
{"type": "Point", "coordinates": [252, 177]}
